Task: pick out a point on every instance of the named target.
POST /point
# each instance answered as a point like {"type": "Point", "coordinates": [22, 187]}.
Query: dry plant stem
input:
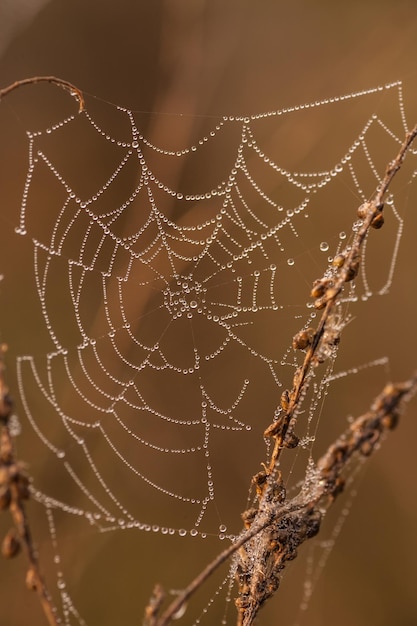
{"type": "Point", "coordinates": [299, 519]}
{"type": "Point", "coordinates": [291, 523]}
{"type": "Point", "coordinates": [371, 210]}
{"type": "Point", "coordinates": [16, 484]}
{"type": "Point", "coordinates": [74, 91]}
{"type": "Point", "coordinates": [278, 526]}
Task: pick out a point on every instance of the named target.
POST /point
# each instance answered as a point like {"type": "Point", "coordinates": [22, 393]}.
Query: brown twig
{"type": "Point", "coordinates": [14, 490]}
{"type": "Point", "coordinates": [326, 291]}
{"type": "Point", "coordinates": [64, 84]}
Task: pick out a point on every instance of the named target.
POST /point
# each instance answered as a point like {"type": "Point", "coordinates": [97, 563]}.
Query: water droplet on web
{"type": "Point", "coordinates": [182, 532]}
{"type": "Point", "coordinates": [324, 246]}
{"type": "Point", "coordinates": [342, 235]}
{"type": "Point", "coordinates": [290, 261]}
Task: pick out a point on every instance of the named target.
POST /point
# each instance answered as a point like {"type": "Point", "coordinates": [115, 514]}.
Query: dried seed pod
{"type": "Point", "coordinates": [285, 400]}
{"type": "Point", "coordinates": [378, 220]}
{"type": "Point", "coordinates": [259, 480]}
{"type": "Point", "coordinates": [320, 303]}
{"type": "Point", "coordinates": [319, 287]}
{"type": "Point", "coordinates": [248, 516]}
{"type": "Point", "coordinates": [5, 497]}
{"type": "Point", "coordinates": [363, 210]}
{"type": "Point", "coordinates": [339, 260]}
{"type": "Point", "coordinates": [390, 421]}
{"type": "Point", "coordinates": [332, 293]}
{"type": "Point", "coordinates": [10, 546]}
{"type": "Point", "coordinates": [291, 441]}
{"type": "Point", "coordinates": [303, 339]}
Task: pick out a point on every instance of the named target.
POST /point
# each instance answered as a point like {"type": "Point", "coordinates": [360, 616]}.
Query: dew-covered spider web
{"type": "Point", "coordinates": [166, 265]}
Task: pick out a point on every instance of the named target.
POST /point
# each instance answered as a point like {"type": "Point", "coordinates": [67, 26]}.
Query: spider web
{"type": "Point", "coordinates": [167, 282]}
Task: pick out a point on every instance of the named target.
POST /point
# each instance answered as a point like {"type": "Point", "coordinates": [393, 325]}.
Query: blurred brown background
{"type": "Point", "coordinates": [212, 59]}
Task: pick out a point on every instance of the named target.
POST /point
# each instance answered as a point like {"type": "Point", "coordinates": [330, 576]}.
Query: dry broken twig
{"type": "Point", "coordinates": [275, 527]}
{"type": "Point", "coordinates": [64, 84]}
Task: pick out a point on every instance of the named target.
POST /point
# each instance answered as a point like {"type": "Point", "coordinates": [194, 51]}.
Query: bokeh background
{"type": "Point", "coordinates": [204, 59]}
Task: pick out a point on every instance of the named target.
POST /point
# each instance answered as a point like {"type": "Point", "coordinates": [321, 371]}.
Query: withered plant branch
{"type": "Point", "coordinates": [327, 292]}
{"type": "Point", "coordinates": [64, 84]}
{"type": "Point", "coordinates": [14, 490]}
{"type": "Point", "coordinates": [273, 538]}
{"type": "Point", "coordinates": [296, 520]}
{"type": "Point", "coordinates": [277, 526]}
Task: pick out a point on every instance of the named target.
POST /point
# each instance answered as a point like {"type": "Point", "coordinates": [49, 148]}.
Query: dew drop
{"type": "Point", "coordinates": [290, 261]}
{"type": "Point", "coordinates": [324, 246]}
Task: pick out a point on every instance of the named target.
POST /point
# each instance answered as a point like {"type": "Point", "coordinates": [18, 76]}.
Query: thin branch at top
{"type": "Point", "coordinates": [74, 91]}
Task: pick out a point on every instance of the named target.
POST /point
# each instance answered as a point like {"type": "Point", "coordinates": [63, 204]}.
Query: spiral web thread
{"type": "Point", "coordinates": [151, 296]}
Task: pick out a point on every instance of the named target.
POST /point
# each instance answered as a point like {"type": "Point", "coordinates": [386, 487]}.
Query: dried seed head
{"type": "Point", "coordinates": [10, 546]}
{"type": "Point", "coordinates": [378, 220]}
{"type": "Point", "coordinates": [339, 260]}
{"type": "Point", "coordinates": [260, 478]}
{"type": "Point", "coordinates": [291, 441]}
{"type": "Point", "coordinates": [319, 287]}
{"type": "Point", "coordinates": [320, 303]}
{"type": "Point", "coordinates": [353, 270]}
{"type": "Point", "coordinates": [303, 339]}
{"type": "Point", "coordinates": [390, 421]}
{"type": "Point", "coordinates": [285, 400]}
{"type": "Point", "coordinates": [364, 210]}
{"type": "Point", "coordinates": [248, 517]}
